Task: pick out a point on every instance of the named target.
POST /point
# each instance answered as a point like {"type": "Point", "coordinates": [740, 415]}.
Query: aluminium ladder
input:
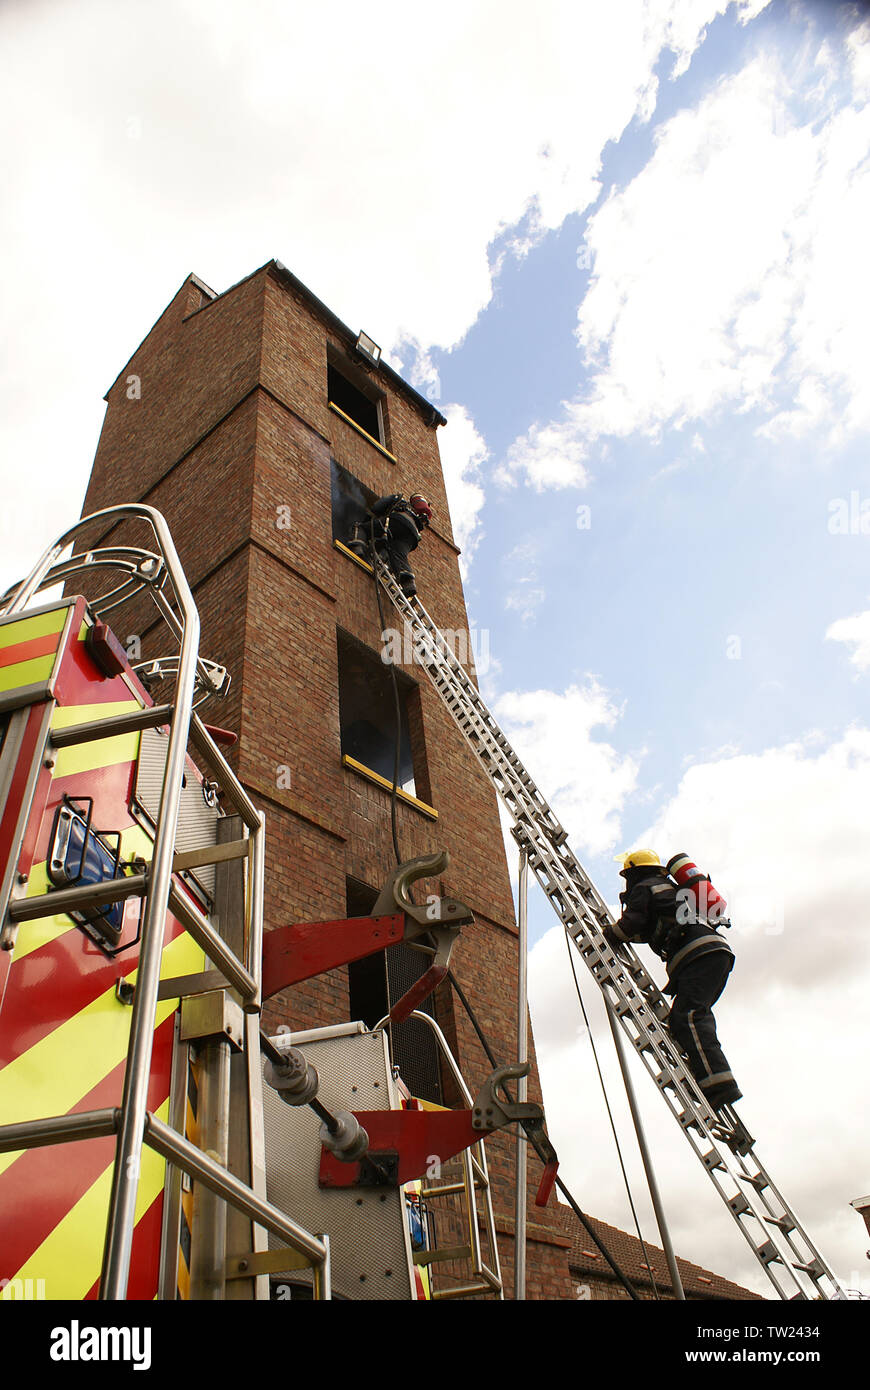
{"type": "Point", "coordinates": [778, 1240]}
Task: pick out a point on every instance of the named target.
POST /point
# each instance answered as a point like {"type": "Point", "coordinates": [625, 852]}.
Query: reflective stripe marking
{"type": "Point", "coordinates": [716, 1079]}
{"type": "Point", "coordinates": [104, 752]}
{"type": "Point", "coordinates": [701, 1053]}
{"type": "Point", "coordinates": [91, 757]}
{"type": "Point", "coordinates": [42, 1082]}
{"type": "Point", "coordinates": [27, 672]}
{"type": "Point", "coordinates": [84, 714]}
{"type": "Point", "coordinates": [26, 629]}
{"type": "Point", "coordinates": [45, 1183]}
{"type": "Point", "coordinates": [28, 651]}
{"type": "Point", "coordinates": [707, 941]}
{"type": "Point", "coordinates": [69, 1258]}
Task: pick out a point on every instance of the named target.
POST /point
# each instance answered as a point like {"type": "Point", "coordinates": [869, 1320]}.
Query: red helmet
{"type": "Point", "coordinates": [420, 505]}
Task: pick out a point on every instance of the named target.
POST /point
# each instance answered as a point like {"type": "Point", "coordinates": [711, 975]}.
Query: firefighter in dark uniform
{"type": "Point", "coordinates": [398, 526]}
{"type": "Point", "coordinates": [698, 962]}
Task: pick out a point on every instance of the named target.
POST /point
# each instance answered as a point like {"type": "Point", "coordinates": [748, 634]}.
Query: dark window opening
{"type": "Point", "coordinates": [350, 502]}
{"type": "Point", "coordinates": [367, 713]}
{"type": "Point", "coordinates": [415, 1051]}
{"type": "Point", "coordinates": [364, 409]}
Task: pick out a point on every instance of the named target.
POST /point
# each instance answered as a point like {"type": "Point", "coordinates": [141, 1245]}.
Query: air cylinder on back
{"type": "Point", "coordinates": [706, 902]}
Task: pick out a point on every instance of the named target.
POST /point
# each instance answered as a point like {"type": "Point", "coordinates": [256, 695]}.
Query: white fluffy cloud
{"type": "Point", "coordinates": [584, 777]}
{"type": "Point", "coordinates": [463, 453]}
{"type": "Point", "coordinates": [729, 272]}
{"type": "Point", "coordinates": [378, 157]}
{"type": "Point", "coordinates": [855, 632]}
{"type": "Point", "coordinates": [784, 835]}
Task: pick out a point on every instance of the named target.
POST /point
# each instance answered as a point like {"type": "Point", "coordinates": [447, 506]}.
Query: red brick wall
{"type": "Point", "coordinates": [232, 428]}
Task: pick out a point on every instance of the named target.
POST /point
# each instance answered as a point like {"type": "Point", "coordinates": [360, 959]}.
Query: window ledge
{"type": "Point", "coordinates": [364, 433]}
{"type": "Point", "coordinates": [379, 781]}
{"type": "Point", "coordinates": [345, 550]}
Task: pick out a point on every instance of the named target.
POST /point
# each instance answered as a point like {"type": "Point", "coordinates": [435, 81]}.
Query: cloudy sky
{"type": "Point", "coordinates": [623, 247]}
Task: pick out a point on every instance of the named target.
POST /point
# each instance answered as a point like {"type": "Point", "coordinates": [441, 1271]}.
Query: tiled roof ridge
{"type": "Point", "coordinates": [628, 1253]}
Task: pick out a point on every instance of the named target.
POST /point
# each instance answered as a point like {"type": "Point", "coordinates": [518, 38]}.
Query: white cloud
{"type": "Point", "coordinates": [585, 778]}
{"type": "Point", "coordinates": [463, 453]}
{"type": "Point", "coordinates": [525, 599]}
{"type": "Point", "coordinates": [526, 594]}
{"type": "Point", "coordinates": [855, 632]}
{"type": "Point", "coordinates": [784, 836]}
{"type": "Point", "coordinates": [729, 272]}
{"type": "Point", "coordinates": [378, 160]}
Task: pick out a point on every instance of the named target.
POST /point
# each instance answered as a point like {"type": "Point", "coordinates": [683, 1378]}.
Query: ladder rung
{"type": "Point", "coordinates": [756, 1179]}
{"type": "Point", "coordinates": [768, 1253]}
{"type": "Point", "coordinates": [784, 1223]}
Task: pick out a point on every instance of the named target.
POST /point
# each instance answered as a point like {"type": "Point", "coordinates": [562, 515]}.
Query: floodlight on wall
{"type": "Point", "coordinates": [368, 349]}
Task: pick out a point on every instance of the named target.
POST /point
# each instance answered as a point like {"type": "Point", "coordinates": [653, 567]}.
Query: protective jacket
{"type": "Point", "coordinates": [405, 525]}
{"type": "Point", "coordinates": [653, 914]}
{"type": "Point", "coordinates": [397, 533]}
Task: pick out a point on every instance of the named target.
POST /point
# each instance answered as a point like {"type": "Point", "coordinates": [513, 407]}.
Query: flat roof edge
{"type": "Point", "coordinates": [435, 416]}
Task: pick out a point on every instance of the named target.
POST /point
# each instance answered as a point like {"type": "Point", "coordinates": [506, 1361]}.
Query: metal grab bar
{"type": "Point", "coordinates": [492, 1278]}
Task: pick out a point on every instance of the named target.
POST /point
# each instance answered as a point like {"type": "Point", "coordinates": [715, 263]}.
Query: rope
{"type": "Point", "coordinates": [610, 1117]}
{"type": "Point", "coordinates": [396, 757]}
{"type": "Point", "coordinates": [396, 700]}
{"type": "Point", "coordinates": [581, 1217]}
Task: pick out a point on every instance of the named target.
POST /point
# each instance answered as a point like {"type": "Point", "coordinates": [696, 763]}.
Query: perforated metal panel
{"type": "Point", "coordinates": [368, 1228]}
{"type": "Point", "coordinates": [197, 820]}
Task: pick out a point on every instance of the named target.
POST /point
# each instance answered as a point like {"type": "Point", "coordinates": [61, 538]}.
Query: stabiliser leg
{"type": "Point", "coordinates": [403, 1143]}
{"type": "Point", "coordinates": [302, 950]}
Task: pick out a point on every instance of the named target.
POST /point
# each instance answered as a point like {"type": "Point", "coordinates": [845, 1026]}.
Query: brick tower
{"type": "Point", "coordinates": [259, 428]}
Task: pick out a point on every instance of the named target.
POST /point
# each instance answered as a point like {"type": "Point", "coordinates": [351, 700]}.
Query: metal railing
{"type": "Point", "coordinates": [475, 1178]}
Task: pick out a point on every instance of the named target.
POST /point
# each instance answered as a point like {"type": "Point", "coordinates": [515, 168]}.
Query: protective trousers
{"type": "Point", "coordinates": [691, 1023]}
{"type": "Point", "coordinates": [401, 539]}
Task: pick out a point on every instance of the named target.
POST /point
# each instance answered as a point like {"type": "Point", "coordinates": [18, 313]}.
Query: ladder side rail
{"type": "Point", "coordinates": [761, 1181]}
{"type": "Point", "coordinates": [453, 682]}
{"type": "Point", "coordinates": [580, 906]}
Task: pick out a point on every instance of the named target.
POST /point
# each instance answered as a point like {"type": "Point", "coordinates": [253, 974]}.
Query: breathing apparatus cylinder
{"type": "Point", "coordinates": [702, 896]}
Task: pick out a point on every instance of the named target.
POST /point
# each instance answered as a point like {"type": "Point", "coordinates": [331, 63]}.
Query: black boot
{"type": "Point", "coordinates": [407, 583]}
{"type": "Point", "coordinates": [726, 1094]}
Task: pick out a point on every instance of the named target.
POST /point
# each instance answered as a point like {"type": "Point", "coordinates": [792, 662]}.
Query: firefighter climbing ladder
{"type": "Point", "coordinates": [725, 1150]}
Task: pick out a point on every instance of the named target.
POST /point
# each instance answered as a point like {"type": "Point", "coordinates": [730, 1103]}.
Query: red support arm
{"type": "Point", "coordinates": [304, 949]}
{"type": "Point", "coordinates": [421, 1138]}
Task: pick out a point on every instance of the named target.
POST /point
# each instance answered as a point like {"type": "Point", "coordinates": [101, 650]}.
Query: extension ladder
{"type": "Point", "coordinates": [724, 1148]}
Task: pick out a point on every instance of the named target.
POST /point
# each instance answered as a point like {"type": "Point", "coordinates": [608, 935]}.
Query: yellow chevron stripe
{"type": "Point", "coordinates": [82, 714]}
{"type": "Point", "coordinates": [53, 1075]}
{"type": "Point", "coordinates": [70, 1257]}
{"type": "Point", "coordinates": [26, 629]}
{"type": "Point", "coordinates": [104, 752]}
{"type": "Point", "coordinates": [42, 930]}
{"type": "Point", "coordinates": [32, 672]}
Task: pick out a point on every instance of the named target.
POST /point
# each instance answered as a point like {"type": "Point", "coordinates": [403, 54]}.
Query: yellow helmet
{"type": "Point", "coordinates": [636, 858]}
